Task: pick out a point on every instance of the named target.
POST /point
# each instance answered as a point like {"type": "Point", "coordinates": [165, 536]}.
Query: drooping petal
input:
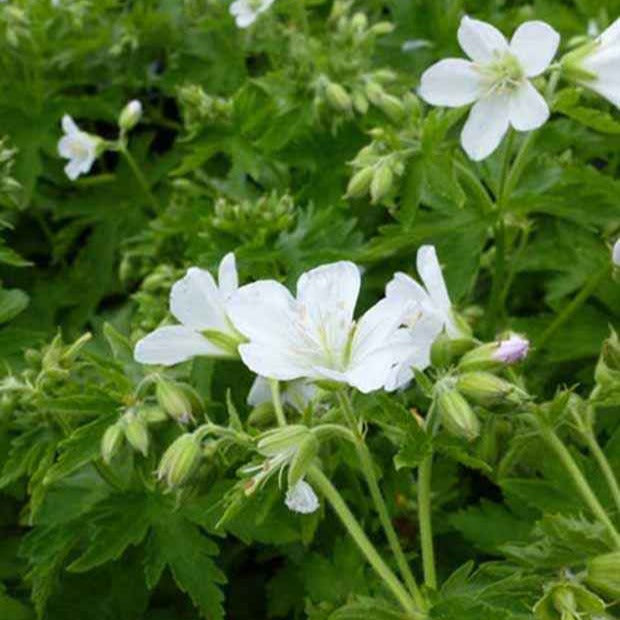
{"type": "Point", "coordinates": [227, 278]}
{"type": "Point", "coordinates": [259, 393]}
{"type": "Point", "coordinates": [197, 303]}
{"type": "Point", "coordinates": [534, 44]}
{"type": "Point", "coordinates": [528, 108]}
{"type": "Point", "coordinates": [452, 82]}
{"type": "Point", "coordinates": [481, 41]}
{"type": "Point", "coordinates": [327, 297]}
{"type": "Point", "coordinates": [486, 126]}
{"type": "Point", "coordinates": [280, 363]}
{"type": "Point", "coordinates": [73, 169]}
{"type": "Point", "coordinates": [173, 344]}
{"type": "Point", "coordinates": [69, 126]}
{"type": "Point", "coordinates": [302, 499]}
{"type": "Point", "coordinates": [404, 289]}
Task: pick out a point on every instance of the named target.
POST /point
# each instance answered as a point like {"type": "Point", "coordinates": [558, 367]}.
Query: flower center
{"type": "Point", "coordinates": [78, 149]}
{"type": "Point", "coordinates": [504, 74]}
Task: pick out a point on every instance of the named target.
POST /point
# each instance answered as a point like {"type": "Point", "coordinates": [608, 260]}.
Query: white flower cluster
{"type": "Point", "coordinates": [497, 79]}
{"type": "Point", "coordinates": [313, 335]}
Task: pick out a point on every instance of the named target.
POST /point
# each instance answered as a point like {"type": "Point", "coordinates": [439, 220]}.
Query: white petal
{"type": "Point", "coordinates": [534, 44]}
{"type": "Point", "coordinates": [528, 108]}
{"type": "Point", "coordinates": [259, 393]}
{"type": "Point", "coordinates": [68, 125]}
{"type": "Point", "coordinates": [452, 82]}
{"type": "Point", "coordinates": [238, 6]}
{"type": "Point", "coordinates": [302, 498]}
{"type": "Point", "coordinates": [429, 269]}
{"type": "Point", "coordinates": [73, 169]}
{"type": "Point", "coordinates": [481, 41]}
{"type": "Point", "coordinates": [64, 147]}
{"type": "Point", "coordinates": [327, 296]}
{"type": "Point", "coordinates": [405, 289]}
{"type": "Point", "coordinates": [245, 18]}
{"type": "Point", "coordinates": [611, 36]}
{"type": "Point", "coordinates": [173, 344]}
{"type": "Point", "coordinates": [275, 363]}
{"type": "Point", "coordinates": [227, 278]}
{"type": "Point", "coordinates": [616, 253]}
{"type": "Point", "coordinates": [372, 372]}
{"type": "Point", "coordinates": [196, 301]}
{"type": "Point", "coordinates": [485, 127]}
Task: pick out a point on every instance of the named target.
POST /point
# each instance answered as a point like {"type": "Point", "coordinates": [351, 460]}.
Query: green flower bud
{"type": "Point", "coordinates": [445, 349]}
{"type": "Point", "coordinates": [607, 371]}
{"type": "Point", "coordinates": [152, 414]}
{"type": "Point", "coordinates": [180, 460]}
{"type": "Point", "coordinates": [393, 107]}
{"type": "Point", "coordinates": [486, 389]}
{"type": "Point", "coordinates": [111, 441]}
{"type": "Point", "coordinates": [136, 432]}
{"type": "Point", "coordinates": [173, 401]}
{"type": "Point", "coordinates": [457, 416]}
{"type": "Point", "coordinates": [262, 415]}
{"type": "Point", "coordinates": [381, 28]}
{"type": "Point", "coordinates": [568, 601]}
{"type": "Point", "coordinates": [374, 92]}
{"type": "Point", "coordinates": [603, 574]}
{"type": "Point", "coordinates": [495, 355]}
{"type": "Point", "coordinates": [360, 103]}
{"type": "Point", "coordinates": [338, 97]}
{"type": "Point", "coordinates": [359, 22]}
{"type": "Point", "coordinates": [130, 116]}
{"type": "Point", "coordinates": [360, 182]}
{"type": "Point", "coordinates": [306, 452]}
{"type": "Point", "coordinates": [381, 183]}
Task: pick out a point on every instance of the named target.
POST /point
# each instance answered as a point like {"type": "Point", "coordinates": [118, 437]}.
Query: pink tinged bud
{"type": "Point", "coordinates": [512, 350]}
{"type": "Point", "coordinates": [615, 254]}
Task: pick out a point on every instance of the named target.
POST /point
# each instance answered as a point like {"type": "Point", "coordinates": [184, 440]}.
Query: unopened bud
{"type": "Point", "coordinates": [360, 182]}
{"type": "Point", "coordinates": [381, 28]}
{"type": "Point", "coordinates": [173, 401]}
{"type": "Point", "coordinates": [603, 574]}
{"type": "Point", "coordinates": [111, 442]}
{"type": "Point", "coordinates": [486, 389]}
{"type": "Point", "coordinates": [307, 450]}
{"type": "Point", "coordinates": [381, 183]}
{"type": "Point", "coordinates": [130, 116]}
{"type": "Point", "coordinates": [180, 460]}
{"type": "Point", "coordinates": [607, 372]}
{"type": "Point", "coordinates": [338, 97]}
{"type": "Point", "coordinates": [495, 355]}
{"type": "Point", "coordinates": [360, 103]}
{"type": "Point", "coordinates": [392, 107]}
{"type": "Point", "coordinates": [359, 21]}
{"type": "Point", "coordinates": [374, 92]}
{"type": "Point", "coordinates": [569, 601]}
{"type": "Point", "coordinates": [457, 417]}
{"type": "Point", "coordinates": [445, 350]}
{"type": "Point", "coordinates": [136, 433]}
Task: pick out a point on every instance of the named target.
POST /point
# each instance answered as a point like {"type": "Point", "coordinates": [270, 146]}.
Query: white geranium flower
{"type": "Point", "coordinates": [496, 79]}
{"type": "Point", "coordinates": [298, 394]}
{"type": "Point", "coordinates": [245, 12]}
{"type": "Point", "coordinates": [79, 147]}
{"type": "Point", "coordinates": [302, 499]}
{"type": "Point", "coordinates": [201, 307]}
{"type": "Point", "coordinates": [430, 313]}
{"type": "Point", "coordinates": [615, 254]}
{"type": "Point", "coordinates": [314, 335]}
{"type": "Point", "coordinates": [597, 64]}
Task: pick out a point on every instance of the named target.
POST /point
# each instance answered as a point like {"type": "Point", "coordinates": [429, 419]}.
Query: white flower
{"type": "Point", "coordinates": [245, 12]}
{"type": "Point", "coordinates": [201, 307]}
{"type": "Point", "coordinates": [298, 394]}
{"type": "Point", "coordinates": [79, 147]}
{"type": "Point", "coordinates": [512, 350]}
{"type": "Point", "coordinates": [430, 313]}
{"type": "Point", "coordinates": [496, 79]}
{"type": "Point", "coordinates": [314, 335]}
{"type": "Point", "coordinates": [598, 64]}
{"type": "Point", "coordinates": [302, 498]}
{"type": "Point", "coordinates": [615, 254]}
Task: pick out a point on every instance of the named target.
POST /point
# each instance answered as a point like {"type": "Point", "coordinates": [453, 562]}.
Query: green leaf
{"type": "Point", "coordinates": [365, 608]}
{"type": "Point", "coordinates": [12, 302]}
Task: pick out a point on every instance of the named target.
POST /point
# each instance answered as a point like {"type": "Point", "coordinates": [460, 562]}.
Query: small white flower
{"type": "Point", "coordinates": [245, 12]}
{"type": "Point", "coordinates": [314, 335]}
{"type": "Point", "coordinates": [615, 254]}
{"type": "Point", "coordinates": [298, 394]}
{"type": "Point", "coordinates": [302, 498]}
{"type": "Point", "coordinates": [496, 79]}
{"type": "Point", "coordinates": [201, 306]}
{"type": "Point", "coordinates": [430, 313]}
{"type": "Point", "coordinates": [512, 350]}
{"type": "Point", "coordinates": [79, 147]}
{"type": "Point", "coordinates": [130, 115]}
{"type": "Point", "coordinates": [598, 64]}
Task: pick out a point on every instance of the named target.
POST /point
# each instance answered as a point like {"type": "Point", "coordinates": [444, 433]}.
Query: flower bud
{"type": "Point", "coordinates": [111, 441]}
{"type": "Point", "coordinates": [568, 601]}
{"type": "Point", "coordinates": [445, 349]}
{"type": "Point", "coordinates": [130, 116]}
{"type": "Point", "coordinates": [180, 460]}
{"type": "Point", "coordinates": [338, 97]}
{"type": "Point", "coordinates": [374, 92]}
{"type": "Point", "coordinates": [359, 22]}
{"type": "Point", "coordinates": [307, 450]}
{"type": "Point", "coordinates": [495, 355]}
{"type": "Point", "coordinates": [603, 574]}
{"type": "Point", "coordinates": [486, 389]}
{"type": "Point", "coordinates": [301, 498]}
{"type": "Point", "coordinates": [360, 182]}
{"type": "Point", "coordinates": [152, 414]}
{"type": "Point", "coordinates": [392, 106]}
{"type": "Point", "coordinates": [381, 28]}
{"type": "Point", "coordinates": [173, 401]}
{"type": "Point", "coordinates": [360, 103]}
{"type": "Point", "coordinates": [457, 416]}
{"type": "Point", "coordinates": [607, 371]}
{"type": "Point", "coordinates": [136, 433]}
{"type": "Point", "coordinates": [381, 183]}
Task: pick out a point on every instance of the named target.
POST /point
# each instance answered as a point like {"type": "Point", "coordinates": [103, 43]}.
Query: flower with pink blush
{"type": "Point", "coordinates": [512, 350]}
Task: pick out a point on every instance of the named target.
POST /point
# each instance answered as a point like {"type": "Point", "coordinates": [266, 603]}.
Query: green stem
{"type": "Point", "coordinates": [424, 515]}
{"type": "Point", "coordinates": [331, 494]}
{"type": "Point", "coordinates": [137, 172]}
{"type": "Point", "coordinates": [604, 465]}
{"type": "Point", "coordinates": [368, 470]}
{"type": "Point", "coordinates": [580, 482]}
{"type": "Point", "coordinates": [274, 384]}
{"type": "Point", "coordinates": [583, 295]}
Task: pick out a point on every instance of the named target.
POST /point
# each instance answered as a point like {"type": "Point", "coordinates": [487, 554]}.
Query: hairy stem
{"type": "Point", "coordinates": [604, 465]}
{"type": "Point", "coordinates": [368, 470]}
{"type": "Point", "coordinates": [424, 515]}
{"type": "Point", "coordinates": [137, 172]}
